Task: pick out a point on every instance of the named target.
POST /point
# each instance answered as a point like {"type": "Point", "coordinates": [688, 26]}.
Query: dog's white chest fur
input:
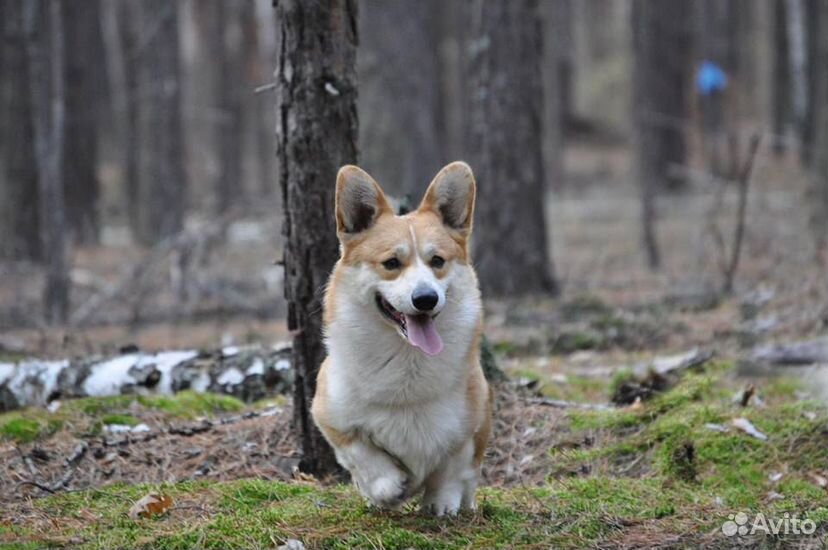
{"type": "Point", "coordinates": [405, 402]}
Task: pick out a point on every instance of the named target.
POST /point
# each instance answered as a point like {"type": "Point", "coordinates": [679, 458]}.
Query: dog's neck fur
{"type": "Point", "coordinates": [363, 346]}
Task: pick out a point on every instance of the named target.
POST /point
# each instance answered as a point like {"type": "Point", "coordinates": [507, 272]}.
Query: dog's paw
{"type": "Point", "coordinates": [388, 491]}
{"type": "Point", "coordinates": [441, 508]}
{"type": "Point", "coordinates": [444, 502]}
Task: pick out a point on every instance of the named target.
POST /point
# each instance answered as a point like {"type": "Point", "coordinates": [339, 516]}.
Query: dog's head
{"type": "Point", "coordinates": [405, 265]}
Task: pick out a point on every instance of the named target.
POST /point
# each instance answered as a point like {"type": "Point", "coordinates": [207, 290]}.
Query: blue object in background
{"type": "Point", "coordinates": [710, 78]}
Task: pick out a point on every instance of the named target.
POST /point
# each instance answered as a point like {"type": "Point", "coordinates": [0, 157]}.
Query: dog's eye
{"type": "Point", "coordinates": [391, 264]}
{"type": "Point", "coordinates": [437, 262]}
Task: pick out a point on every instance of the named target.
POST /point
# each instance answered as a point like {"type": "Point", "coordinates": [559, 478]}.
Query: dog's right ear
{"type": "Point", "coordinates": [359, 201]}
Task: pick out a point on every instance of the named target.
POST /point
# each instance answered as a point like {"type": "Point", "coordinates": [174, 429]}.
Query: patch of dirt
{"type": "Point", "coordinates": [259, 447]}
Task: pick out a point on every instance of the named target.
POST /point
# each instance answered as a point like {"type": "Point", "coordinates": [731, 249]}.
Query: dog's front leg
{"type": "Point", "coordinates": [374, 472]}
{"type": "Point", "coordinates": [452, 486]}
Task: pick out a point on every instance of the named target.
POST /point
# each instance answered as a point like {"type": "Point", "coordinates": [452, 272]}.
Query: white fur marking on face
{"type": "Point", "coordinates": [413, 238]}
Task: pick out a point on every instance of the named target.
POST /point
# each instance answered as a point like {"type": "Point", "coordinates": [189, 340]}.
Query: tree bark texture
{"type": "Point", "coordinates": [820, 114]}
{"type": "Point", "coordinates": [662, 45]}
{"type": "Point", "coordinates": [781, 115]}
{"type": "Point", "coordinates": [45, 48]}
{"type": "Point", "coordinates": [316, 134]}
{"type": "Point", "coordinates": [505, 147]}
{"type": "Point", "coordinates": [401, 130]}
{"type": "Point", "coordinates": [19, 210]}
{"type": "Point", "coordinates": [557, 93]}
{"type": "Point", "coordinates": [161, 179]}
{"type": "Point", "coordinates": [813, 106]}
{"type": "Point", "coordinates": [230, 85]}
{"type": "Point", "coordinates": [80, 156]}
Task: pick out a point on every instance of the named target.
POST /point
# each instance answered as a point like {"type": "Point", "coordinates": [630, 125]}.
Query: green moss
{"type": "Point", "coordinates": [671, 435]}
{"type": "Point", "coordinates": [189, 404]}
{"type": "Point", "coordinates": [23, 428]}
{"type": "Point", "coordinates": [121, 419]}
{"type": "Point", "coordinates": [87, 416]}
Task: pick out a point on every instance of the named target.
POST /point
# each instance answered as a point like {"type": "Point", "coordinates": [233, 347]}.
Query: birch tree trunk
{"type": "Point", "coordinates": [316, 134]}
{"type": "Point", "coordinates": [505, 144]}
{"type": "Point", "coordinates": [19, 210]}
{"type": "Point", "coordinates": [45, 47]}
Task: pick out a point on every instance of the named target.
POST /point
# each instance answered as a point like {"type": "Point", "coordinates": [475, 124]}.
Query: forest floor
{"type": "Point", "coordinates": [567, 467]}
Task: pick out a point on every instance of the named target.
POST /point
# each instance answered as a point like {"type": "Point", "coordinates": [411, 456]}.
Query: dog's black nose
{"type": "Point", "coordinates": [424, 298]}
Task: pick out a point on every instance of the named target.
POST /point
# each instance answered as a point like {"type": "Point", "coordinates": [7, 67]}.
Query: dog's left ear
{"type": "Point", "coordinates": [451, 196]}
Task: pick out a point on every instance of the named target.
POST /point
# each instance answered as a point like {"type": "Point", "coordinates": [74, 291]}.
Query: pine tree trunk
{"type": "Point", "coordinates": [316, 133]}
{"type": "Point", "coordinates": [505, 145]}
{"type": "Point", "coordinates": [557, 72]}
{"type": "Point", "coordinates": [662, 46]}
{"type": "Point", "coordinates": [45, 48]}
{"type": "Point", "coordinates": [161, 177]}
{"type": "Point", "coordinates": [401, 130]}
{"type": "Point", "coordinates": [230, 85]}
{"type": "Point", "coordinates": [19, 206]}
{"type": "Point", "coordinates": [820, 114]}
{"type": "Point", "coordinates": [781, 115]}
{"type": "Point", "coordinates": [813, 72]}
{"type": "Point", "coordinates": [83, 66]}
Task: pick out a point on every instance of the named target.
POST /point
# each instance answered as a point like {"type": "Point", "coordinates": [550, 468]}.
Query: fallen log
{"type": "Point", "coordinates": [806, 352]}
{"type": "Point", "coordinates": [249, 374]}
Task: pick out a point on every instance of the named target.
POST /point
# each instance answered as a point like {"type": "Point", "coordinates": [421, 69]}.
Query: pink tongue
{"type": "Point", "coordinates": [421, 333]}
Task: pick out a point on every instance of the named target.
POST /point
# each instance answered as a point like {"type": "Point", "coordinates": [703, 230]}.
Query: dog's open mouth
{"type": "Point", "coordinates": [419, 329]}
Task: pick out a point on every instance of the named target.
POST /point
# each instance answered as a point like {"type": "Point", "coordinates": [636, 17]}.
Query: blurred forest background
{"type": "Point", "coordinates": [614, 142]}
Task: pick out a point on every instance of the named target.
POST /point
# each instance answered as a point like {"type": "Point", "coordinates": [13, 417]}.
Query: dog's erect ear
{"type": "Point", "coordinates": [451, 196]}
{"type": "Point", "coordinates": [359, 201]}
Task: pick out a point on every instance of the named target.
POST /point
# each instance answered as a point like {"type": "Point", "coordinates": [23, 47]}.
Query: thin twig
{"type": "Point", "coordinates": [738, 236]}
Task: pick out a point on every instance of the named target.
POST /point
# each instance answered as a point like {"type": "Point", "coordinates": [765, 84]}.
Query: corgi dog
{"type": "Point", "coordinates": [401, 396]}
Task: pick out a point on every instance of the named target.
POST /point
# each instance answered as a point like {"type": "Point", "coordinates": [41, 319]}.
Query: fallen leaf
{"type": "Point", "coordinates": [152, 504]}
{"type": "Point", "coordinates": [747, 426]}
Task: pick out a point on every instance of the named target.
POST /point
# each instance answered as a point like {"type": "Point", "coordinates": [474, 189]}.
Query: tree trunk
{"type": "Point", "coordinates": [820, 113]}
{"type": "Point", "coordinates": [81, 188]}
{"type": "Point", "coordinates": [45, 47]}
{"type": "Point", "coordinates": [505, 146]}
{"type": "Point", "coordinates": [662, 47]}
{"type": "Point", "coordinates": [813, 71]}
{"type": "Point", "coordinates": [230, 85]}
{"type": "Point", "coordinates": [557, 75]}
{"type": "Point", "coordinates": [127, 17]}
{"type": "Point", "coordinates": [781, 116]}
{"type": "Point", "coordinates": [797, 47]}
{"type": "Point", "coordinates": [161, 178]}
{"type": "Point", "coordinates": [316, 133]}
{"type": "Point", "coordinates": [19, 209]}
{"type": "Point", "coordinates": [399, 101]}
